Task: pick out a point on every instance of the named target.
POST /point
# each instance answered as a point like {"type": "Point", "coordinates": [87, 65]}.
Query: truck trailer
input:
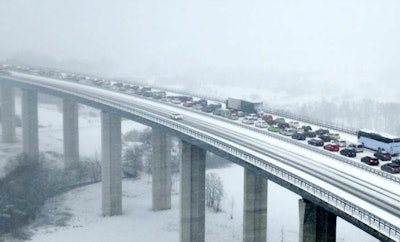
{"type": "Point", "coordinates": [242, 105]}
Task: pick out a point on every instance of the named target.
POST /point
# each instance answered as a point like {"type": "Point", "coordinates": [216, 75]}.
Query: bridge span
{"type": "Point", "coordinates": [329, 188]}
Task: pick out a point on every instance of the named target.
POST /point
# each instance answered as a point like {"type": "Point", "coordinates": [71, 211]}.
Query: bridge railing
{"type": "Point", "coordinates": [329, 154]}
{"type": "Point", "coordinates": [381, 225]}
{"type": "Point", "coordinates": [290, 115]}
{"type": "Point", "coordinates": [303, 145]}
{"type": "Point", "coordinates": [373, 221]}
{"type": "Point", "coordinates": [302, 118]}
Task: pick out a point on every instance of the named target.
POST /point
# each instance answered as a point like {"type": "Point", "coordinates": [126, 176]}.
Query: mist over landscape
{"type": "Point", "coordinates": [322, 48]}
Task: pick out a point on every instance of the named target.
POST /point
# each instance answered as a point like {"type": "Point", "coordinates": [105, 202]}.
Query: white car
{"type": "Point", "coordinates": [176, 101]}
{"type": "Point", "coordinates": [176, 116]}
{"type": "Point", "coordinates": [252, 116]}
{"type": "Point", "coordinates": [247, 120]}
{"type": "Point", "coordinates": [287, 132]}
{"type": "Point", "coordinates": [341, 143]}
{"type": "Point", "coordinates": [261, 124]}
{"type": "Point", "coordinates": [294, 124]}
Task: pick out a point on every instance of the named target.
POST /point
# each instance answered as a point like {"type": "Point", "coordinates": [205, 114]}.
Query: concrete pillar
{"type": "Point", "coordinates": [71, 133]}
{"type": "Point", "coordinates": [30, 137]}
{"type": "Point", "coordinates": [255, 207]}
{"type": "Point", "coordinates": [192, 193]}
{"type": "Point", "coordinates": [8, 114]}
{"type": "Point", "coordinates": [161, 170]}
{"type": "Point", "coordinates": [316, 224]}
{"type": "Point", "coordinates": [111, 164]}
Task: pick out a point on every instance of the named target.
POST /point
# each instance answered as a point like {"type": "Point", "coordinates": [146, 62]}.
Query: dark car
{"type": "Point", "coordinates": [325, 138]}
{"type": "Point", "coordinates": [348, 152]}
{"type": "Point", "coordinates": [217, 112]}
{"type": "Point", "coordinates": [299, 136]}
{"type": "Point", "coordinates": [202, 102]}
{"type": "Point", "coordinates": [310, 134]}
{"type": "Point", "coordinates": [208, 109]}
{"type": "Point", "coordinates": [316, 142]}
{"type": "Point", "coordinates": [283, 125]}
{"type": "Point", "coordinates": [306, 128]}
{"type": "Point", "coordinates": [391, 167]}
{"type": "Point", "coordinates": [321, 131]}
{"type": "Point", "coordinates": [397, 161]}
{"type": "Point", "coordinates": [215, 106]}
{"type": "Point", "coordinates": [271, 122]}
{"type": "Point", "coordinates": [332, 147]}
{"type": "Point", "coordinates": [372, 161]}
{"type": "Point", "coordinates": [383, 155]}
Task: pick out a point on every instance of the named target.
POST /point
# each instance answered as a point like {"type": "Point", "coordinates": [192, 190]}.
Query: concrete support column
{"type": "Point", "coordinates": [316, 224]}
{"type": "Point", "coordinates": [111, 164]}
{"type": "Point", "coordinates": [30, 137]}
{"type": "Point", "coordinates": [71, 133]}
{"type": "Point", "coordinates": [255, 207]}
{"type": "Point", "coordinates": [8, 114]}
{"type": "Point", "coordinates": [192, 193]}
{"type": "Point", "coordinates": [161, 170]}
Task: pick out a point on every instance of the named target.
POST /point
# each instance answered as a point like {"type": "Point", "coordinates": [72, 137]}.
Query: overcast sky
{"type": "Point", "coordinates": [179, 36]}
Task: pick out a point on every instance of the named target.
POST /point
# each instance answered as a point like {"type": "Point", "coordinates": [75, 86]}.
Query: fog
{"type": "Point", "coordinates": [338, 42]}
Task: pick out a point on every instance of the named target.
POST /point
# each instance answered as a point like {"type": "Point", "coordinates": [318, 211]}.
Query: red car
{"type": "Point", "coordinates": [267, 117]}
{"type": "Point", "coordinates": [331, 147]}
{"type": "Point", "coordinates": [188, 104]}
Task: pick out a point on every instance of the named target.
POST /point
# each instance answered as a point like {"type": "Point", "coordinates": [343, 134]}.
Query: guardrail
{"type": "Point", "coordinates": [309, 147]}
{"type": "Point", "coordinates": [373, 221]}
{"type": "Point", "coordinates": [303, 145]}
{"type": "Point", "coordinates": [344, 205]}
{"type": "Point", "coordinates": [306, 146]}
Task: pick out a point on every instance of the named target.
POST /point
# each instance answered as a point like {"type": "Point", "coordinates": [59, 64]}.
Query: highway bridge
{"type": "Point", "coordinates": [331, 186]}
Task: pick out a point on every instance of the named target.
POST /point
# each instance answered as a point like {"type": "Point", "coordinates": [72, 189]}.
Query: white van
{"type": "Point", "coordinates": [357, 147]}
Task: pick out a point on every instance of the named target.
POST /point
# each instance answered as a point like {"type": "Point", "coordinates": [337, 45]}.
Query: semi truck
{"type": "Point", "coordinates": [243, 105]}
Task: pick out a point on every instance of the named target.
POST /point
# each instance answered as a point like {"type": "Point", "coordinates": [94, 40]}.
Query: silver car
{"type": "Point", "coordinates": [176, 116]}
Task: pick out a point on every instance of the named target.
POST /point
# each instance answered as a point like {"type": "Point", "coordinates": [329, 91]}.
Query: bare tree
{"type": "Point", "coordinates": [214, 191]}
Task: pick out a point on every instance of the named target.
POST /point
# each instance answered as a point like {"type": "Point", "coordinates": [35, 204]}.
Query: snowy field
{"type": "Point", "coordinates": [76, 215]}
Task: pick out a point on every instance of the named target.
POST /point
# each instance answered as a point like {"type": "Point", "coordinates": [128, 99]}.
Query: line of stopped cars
{"type": "Point", "coordinates": [238, 110]}
{"type": "Point", "coordinates": [321, 137]}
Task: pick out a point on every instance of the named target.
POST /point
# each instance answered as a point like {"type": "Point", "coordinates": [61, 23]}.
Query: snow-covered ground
{"type": "Point", "coordinates": [76, 215]}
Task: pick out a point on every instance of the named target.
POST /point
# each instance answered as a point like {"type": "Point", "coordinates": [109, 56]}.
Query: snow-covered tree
{"type": "Point", "coordinates": [214, 191]}
{"type": "Point", "coordinates": [133, 160]}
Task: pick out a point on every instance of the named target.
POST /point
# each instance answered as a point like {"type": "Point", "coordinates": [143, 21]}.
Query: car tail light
{"type": "Point", "coordinates": [392, 169]}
